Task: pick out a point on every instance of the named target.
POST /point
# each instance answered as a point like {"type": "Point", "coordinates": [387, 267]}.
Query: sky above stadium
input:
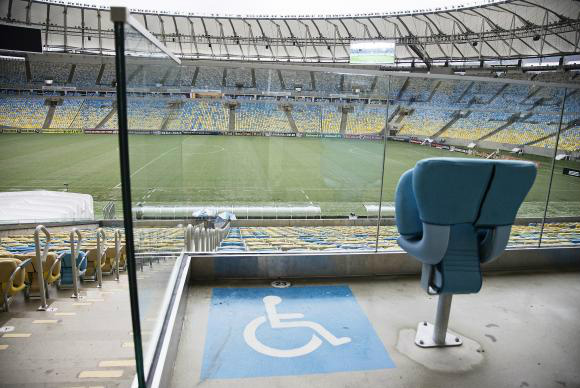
{"type": "Point", "coordinates": [283, 7]}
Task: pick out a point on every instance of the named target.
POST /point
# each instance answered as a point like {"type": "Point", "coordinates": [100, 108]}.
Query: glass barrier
{"type": "Point", "coordinates": [562, 226]}
{"type": "Point", "coordinates": [157, 172]}
{"type": "Point", "coordinates": [288, 160]}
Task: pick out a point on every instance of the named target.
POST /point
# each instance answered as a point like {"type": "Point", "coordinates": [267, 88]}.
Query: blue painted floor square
{"type": "Point", "coordinates": [255, 332]}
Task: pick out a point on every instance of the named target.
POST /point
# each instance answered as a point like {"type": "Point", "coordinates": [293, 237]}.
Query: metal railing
{"type": "Point", "coordinates": [101, 251]}
{"type": "Point", "coordinates": [201, 239]}
{"type": "Point", "coordinates": [41, 255]}
{"type": "Point", "coordinates": [109, 211]}
{"type": "Point", "coordinates": [75, 249]}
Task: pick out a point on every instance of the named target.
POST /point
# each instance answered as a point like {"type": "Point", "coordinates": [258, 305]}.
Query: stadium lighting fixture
{"type": "Point", "coordinates": [48, 82]}
{"type": "Point", "coordinates": [536, 38]}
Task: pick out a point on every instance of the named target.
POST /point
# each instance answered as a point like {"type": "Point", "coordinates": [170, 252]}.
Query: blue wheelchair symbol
{"type": "Point", "coordinates": [256, 332]}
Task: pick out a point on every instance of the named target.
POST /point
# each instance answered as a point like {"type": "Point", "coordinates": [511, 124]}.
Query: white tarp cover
{"type": "Point", "coordinates": [43, 206]}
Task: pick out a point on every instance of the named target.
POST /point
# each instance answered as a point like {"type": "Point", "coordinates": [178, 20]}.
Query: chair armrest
{"type": "Point", "coordinates": [406, 213]}
{"type": "Point", "coordinates": [20, 267]}
{"type": "Point", "coordinates": [51, 271]}
{"type": "Point", "coordinates": [494, 243]}
{"type": "Point", "coordinates": [84, 258]}
{"type": "Point", "coordinates": [431, 247]}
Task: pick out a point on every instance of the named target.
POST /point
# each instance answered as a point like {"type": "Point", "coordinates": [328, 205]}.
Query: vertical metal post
{"type": "Point", "coordinates": [189, 238]}
{"type": "Point", "coordinates": [126, 195]}
{"type": "Point", "coordinates": [117, 253]}
{"type": "Point", "coordinates": [74, 252]}
{"type": "Point", "coordinates": [553, 166]}
{"type": "Point", "coordinates": [101, 248]}
{"type": "Point", "coordinates": [197, 239]}
{"type": "Point", "coordinates": [442, 318]}
{"type": "Point", "coordinates": [40, 257]}
{"type": "Point", "coordinates": [385, 133]}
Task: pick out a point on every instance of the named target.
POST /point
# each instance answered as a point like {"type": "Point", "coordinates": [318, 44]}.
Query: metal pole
{"type": "Point", "coordinates": [553, 166]}
{"type": "Point", "coordinates": [117, 252]}
{"type": "Point", "coordinates": [442, 318]}
{"type": "Point", "coordinates": [126, 195]}
{"type": "Point", "coordinates": [383, 167]}
{"type": "Point", "coordinates": [100, 252]}
{"type": "Point", "coordinates": [197, 239]}
{"type": "Point", "coordinates": [74, 252]}
{"type": "Point", "coordinates": [40, 257]}
{"type": "Point", "coordinates": [189, 238]}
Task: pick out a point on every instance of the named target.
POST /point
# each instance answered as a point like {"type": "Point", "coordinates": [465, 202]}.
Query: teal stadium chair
{"type": "Point", "coordinates": [454, 214]}
{"type": "Point", "coordinates": [66, 280]}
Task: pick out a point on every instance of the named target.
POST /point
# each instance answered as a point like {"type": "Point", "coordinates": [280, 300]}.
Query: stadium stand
{"type": "Point", "coordinates": [308, 117]}
{"type": "Point", "coordinates": [86, 74]}
{"type": "Point", "coordinates": [267, 80]}
{"type": "Point", "coordinates": [327, 82]}
{"type": "Point", "coordinates": [22, 112]}
{"type": "Point", "coordinates": [477, 125]}
{"type": "Point", "coordinates": [92, 112]}
{"type": "Point", "coordinates": [209, 78]}
{"type": "Point", "coordinates": [146, 114]}
{"type": "Point", "coordinates": [294, 79]}
{"type": "Point", "coordinates": [343, 238]}
{"type": "Point", "coordinates": [366, 119]}
{"type": "Point", "coordinates": [57, 72]}
{"type": "Point", "coordinates": [65, 113]}
{"type": "Point", "coordinates": [331, 117]}
{"type": "Point", "coordinates": [12, 71]}
{"type": "Point", "coordinates": [209, 115]}
{"type": "Point", "coordinates": [486, 110]}
{"type": "Point", "coordinates": [238, 77]}
{"type": "Point", "coordinates": [262, 117]}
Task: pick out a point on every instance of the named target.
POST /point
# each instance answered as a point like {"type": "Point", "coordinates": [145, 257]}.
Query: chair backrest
{"type": "Point", "coordinates": [482, 192]}
{"type": "Point", "coordinates": [7, 267]}
{"type": "Point", "coordinates": [455, 213]}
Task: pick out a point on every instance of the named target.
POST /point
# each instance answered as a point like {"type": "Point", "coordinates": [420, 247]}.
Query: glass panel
{"type": "Point", "coordinates": [561, 227]}
{"type": "Point", "coordinates": [156, 172]}
{"type": "Point", "coordinates": [471, 118]}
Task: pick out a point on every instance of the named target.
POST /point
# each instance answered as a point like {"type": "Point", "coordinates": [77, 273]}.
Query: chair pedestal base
{"type": "Point", "coordinates": [425, 334]}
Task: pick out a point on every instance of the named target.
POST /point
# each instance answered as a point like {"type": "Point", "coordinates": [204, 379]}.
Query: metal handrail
{"type": "Point", "coordinates": [74, 252]}
{"type": "Point", "coordinates": [189, 243]}
{"type": "Point", "coordinates": [10, 282]}
{"type": "Point", "coordinates": [41, 255]}
{"type": "Point", "coordinates": [101, 251]}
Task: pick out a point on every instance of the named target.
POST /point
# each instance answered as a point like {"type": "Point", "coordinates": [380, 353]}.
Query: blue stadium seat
{"type": "Point", "coordinates": [454, 214]}
{"type": "Point", "coordinates": [66, 279]}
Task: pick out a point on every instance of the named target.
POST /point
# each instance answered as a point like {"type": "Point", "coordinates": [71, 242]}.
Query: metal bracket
{"type": "Point", "coordinates": [425, 333]}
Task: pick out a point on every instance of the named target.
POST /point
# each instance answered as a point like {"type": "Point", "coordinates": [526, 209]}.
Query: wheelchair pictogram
{"type": "Point", "coordinates": [280, 321]}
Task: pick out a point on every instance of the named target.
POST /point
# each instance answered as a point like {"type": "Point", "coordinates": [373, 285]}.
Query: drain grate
{"type": "Point", "coordinates": [281, 284]}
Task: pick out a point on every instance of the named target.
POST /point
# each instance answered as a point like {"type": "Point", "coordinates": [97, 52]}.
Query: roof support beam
{"type": "Point", "coordinates": [64, 14]}
{"type": "Point", "coordinates": [100, 32]}
{"type": "Point", "coordinates": [178, 36]}
{"type": "Point", "coordinates": [47, 26]}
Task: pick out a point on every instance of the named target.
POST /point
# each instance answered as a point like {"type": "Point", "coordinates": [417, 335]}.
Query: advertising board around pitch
{"type": "Point", "coordinates": [254, 332]}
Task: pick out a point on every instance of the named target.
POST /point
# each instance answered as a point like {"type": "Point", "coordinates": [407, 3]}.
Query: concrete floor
{"type": "Point", "coordinates": [519, 331]}
{"type": "Point", "coordinates": [79, 343]}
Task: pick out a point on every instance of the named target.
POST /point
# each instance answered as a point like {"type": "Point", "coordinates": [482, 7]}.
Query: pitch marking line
{"type": "Point", "coordinates": [307, 197]}
{"type": "Point", "coordinates": [147, 164]}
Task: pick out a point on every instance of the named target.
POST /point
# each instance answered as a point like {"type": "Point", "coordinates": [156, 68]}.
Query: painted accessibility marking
{"type": "Point", "coordinates": [276, 322]}
{"type": "Point", "coordinates": [263, 331]}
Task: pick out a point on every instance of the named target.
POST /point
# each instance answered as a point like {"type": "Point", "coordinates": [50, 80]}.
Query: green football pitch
{"type": "Point", "coordinates": [338, 175]}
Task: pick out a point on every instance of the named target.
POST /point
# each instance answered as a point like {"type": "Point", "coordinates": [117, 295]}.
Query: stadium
{"type": "Point", "coordinates": [242, 194]}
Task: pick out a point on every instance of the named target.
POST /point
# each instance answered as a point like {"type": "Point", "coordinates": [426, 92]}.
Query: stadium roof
{"type": "Point", "coordinates": [512, 29]}
{"type": "Point", "coordinates": [284, 8]}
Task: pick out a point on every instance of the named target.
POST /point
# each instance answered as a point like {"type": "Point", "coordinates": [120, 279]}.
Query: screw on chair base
{"type": "Point", "coordinates": [425, 337]}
